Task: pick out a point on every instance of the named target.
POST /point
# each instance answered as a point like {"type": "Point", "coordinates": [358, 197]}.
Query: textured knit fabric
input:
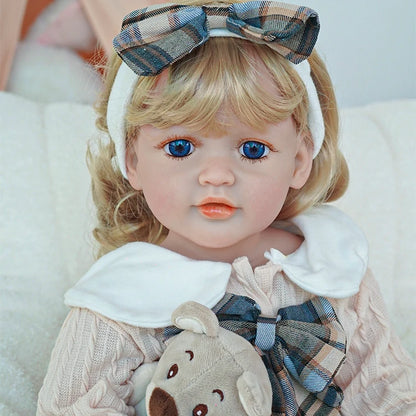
{"type": "Point", "coordinates": [94, 357]}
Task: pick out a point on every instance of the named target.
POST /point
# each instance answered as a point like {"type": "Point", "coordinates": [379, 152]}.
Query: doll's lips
{"type": "Point", "coordinates": [216, 208]}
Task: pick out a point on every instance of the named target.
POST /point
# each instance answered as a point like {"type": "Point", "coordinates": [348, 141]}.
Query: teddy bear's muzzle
{"type": "Point", "coordinates": [162, 404]}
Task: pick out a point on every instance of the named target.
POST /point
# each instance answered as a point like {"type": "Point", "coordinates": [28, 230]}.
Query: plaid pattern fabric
{"type": "Point", "coordinates": [157, 36]}
{"type": "Point", "coordinates": [309, 346]}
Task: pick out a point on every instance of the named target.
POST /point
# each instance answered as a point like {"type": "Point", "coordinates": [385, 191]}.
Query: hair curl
{"type": "Point", "coordinates": [221, 73]}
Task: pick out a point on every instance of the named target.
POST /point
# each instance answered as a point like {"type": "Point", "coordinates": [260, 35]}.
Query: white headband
{"type": "Point", "coordinates": [125, 83]}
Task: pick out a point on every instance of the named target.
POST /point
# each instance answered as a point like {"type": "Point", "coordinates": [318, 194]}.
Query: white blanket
{"type": "Point", "coordinates": [45, 223]}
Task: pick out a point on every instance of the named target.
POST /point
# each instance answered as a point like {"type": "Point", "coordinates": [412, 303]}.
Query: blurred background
{"type": "Point", "coordinates": [369, 46]}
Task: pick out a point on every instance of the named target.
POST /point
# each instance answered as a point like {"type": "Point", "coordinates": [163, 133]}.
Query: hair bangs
{"type": "Point", "coordinates": [219, 78]}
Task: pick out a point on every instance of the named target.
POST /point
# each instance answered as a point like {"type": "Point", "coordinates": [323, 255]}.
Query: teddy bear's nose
{"type": "Point", "coordinates": [162, 404]}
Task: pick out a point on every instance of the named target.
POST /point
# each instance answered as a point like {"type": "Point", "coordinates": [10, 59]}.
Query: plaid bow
{"type": "Point", "coordinates": [157, 36]}
{"type": "Point", "coordinates": [305, 342]}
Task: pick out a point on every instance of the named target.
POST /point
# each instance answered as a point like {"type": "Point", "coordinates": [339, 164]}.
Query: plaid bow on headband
{"type": "Point", "coordinates": [157, 36]}
{"type": "Point", "coordinates": [305, 342]}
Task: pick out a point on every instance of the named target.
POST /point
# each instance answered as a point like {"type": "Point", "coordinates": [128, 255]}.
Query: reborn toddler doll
{"type": "Point", "coordinates": [222, 155]}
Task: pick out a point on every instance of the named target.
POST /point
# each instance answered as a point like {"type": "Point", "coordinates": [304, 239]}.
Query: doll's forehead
{"type": "Point", "coordinates": [205, 99]}
{"type": "Point", "coordinates": [225, 122]}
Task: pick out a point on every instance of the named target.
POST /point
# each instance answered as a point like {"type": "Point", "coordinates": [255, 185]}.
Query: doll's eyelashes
{"type": "Point", "coordinates": [254, 150]}
{"type": "Point", "coordinates": [179, 148]}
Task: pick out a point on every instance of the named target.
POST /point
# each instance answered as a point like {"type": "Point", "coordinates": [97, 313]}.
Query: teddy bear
{"type": "Point", "coordinates": [205, 370]}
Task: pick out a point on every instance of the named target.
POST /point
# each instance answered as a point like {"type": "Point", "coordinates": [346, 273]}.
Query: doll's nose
{"type": "Point", "coordinates": [216, 173]}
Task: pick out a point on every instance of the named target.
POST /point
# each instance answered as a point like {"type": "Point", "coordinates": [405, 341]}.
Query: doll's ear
{"type": "Point", "coordinates": [132, 168]}
{"type": "Point", "coordinates": [303, 163]}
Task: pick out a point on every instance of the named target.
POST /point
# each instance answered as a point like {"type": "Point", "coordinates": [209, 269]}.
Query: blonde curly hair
{"type": "Point", "coordinates": [222, 71]}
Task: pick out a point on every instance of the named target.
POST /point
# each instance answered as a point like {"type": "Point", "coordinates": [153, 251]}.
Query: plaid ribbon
{"type": "Point", "coordinates": [157, 36]}
{"type": "Point", "coordinates": [305, 342]}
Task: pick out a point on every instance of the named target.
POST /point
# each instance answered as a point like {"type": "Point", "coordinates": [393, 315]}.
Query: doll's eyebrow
{"type": "Point", "coordinates": [220, 393]}
{"type": "Point", "coordinates": [191, 354]}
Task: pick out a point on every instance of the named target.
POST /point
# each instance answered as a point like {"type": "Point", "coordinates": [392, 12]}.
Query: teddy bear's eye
{"type": "Point", "coordinates": [200, 410]}
{"type": "Point", "coordinates": [173, 371]}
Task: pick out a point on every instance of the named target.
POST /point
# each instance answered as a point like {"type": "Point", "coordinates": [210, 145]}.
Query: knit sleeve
{"type": "Point", "coordinates": [90, 369]}
{"type": "Point", "coordinates": [378, 376]}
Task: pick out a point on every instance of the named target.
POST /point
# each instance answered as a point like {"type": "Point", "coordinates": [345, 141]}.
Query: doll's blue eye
{"type": "Point", "coordinates": [179, 148]}
{"type": "Point", "coordinates": [253, 150]}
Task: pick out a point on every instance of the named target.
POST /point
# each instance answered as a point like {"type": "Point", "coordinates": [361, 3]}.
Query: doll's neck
{"type": "Point", "coordinates": [252, 247]}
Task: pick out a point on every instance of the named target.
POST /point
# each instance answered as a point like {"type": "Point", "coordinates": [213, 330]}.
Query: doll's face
{"type": "Point", "coordinates": [217, 192]}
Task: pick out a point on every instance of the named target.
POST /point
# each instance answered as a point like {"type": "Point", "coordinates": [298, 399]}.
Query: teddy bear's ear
{"type": "Point", "coordinates": [197, 318]}
{"type": "Point", "coordinates": [255, 395]}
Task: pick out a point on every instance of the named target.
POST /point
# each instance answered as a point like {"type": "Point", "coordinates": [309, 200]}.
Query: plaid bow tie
{"type": "Point", "coordinates": [305, 342]}
{"type": "Point", "coordinates": [154, 37]}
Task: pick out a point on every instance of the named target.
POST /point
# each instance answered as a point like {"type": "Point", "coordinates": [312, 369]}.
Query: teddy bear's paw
{"type": "Point", "coordinates": [141, 379]}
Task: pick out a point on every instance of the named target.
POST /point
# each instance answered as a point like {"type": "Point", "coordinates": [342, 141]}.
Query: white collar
{"type": "Point", "coordinates": [141, 284]}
